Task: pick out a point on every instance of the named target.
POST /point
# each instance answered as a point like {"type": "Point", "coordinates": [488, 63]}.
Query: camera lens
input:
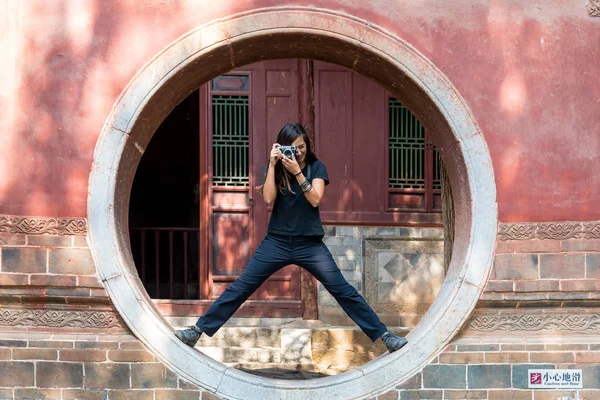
{"type": "Point", "coordinates": [287, 153]}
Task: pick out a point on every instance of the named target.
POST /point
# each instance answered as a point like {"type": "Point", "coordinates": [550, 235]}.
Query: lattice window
{"type": "Point", "coordinates": [230, 140]}
{"type": "Point", "coordinates": [407, 149]}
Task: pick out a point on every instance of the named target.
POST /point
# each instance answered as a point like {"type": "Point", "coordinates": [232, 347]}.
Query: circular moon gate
{"type": "Point", "coordinates": [293, 32]}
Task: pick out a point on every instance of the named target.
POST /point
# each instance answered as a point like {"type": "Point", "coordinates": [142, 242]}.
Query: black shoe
{"type": "Point", "coordinates": [189, 336]}
{"type": "Point", "coordinates": [393, 342]}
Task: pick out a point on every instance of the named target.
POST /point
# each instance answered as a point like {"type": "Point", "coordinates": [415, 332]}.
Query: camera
{"type": "Point", "coordinates": [288, 151]}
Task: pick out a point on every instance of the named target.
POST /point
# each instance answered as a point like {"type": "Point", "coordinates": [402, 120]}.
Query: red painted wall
{"type": "Point", "coordinates": [528, 70]}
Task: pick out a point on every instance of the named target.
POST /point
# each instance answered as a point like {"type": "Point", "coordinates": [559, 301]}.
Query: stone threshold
{"type": "Point", "coordinates": [276, 323]}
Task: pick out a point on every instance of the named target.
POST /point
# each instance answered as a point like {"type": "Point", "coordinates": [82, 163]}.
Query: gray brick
{"type": "Point", "coordinates": [8, 239]}
{"type": "Point", "coordinates": [152, 375]}
{"type": "Point", "coordinates": [515, 266]}
{"type": "Point", "coordinates": [444, 377]}
{"type": "Point", "coordinates": [520, 376]}
{"type": "Point", "coordinates": [465, 394]}
{"type": "Point", "coordinates": [387, 232]}
{"type": "Point", "coordinates": [422, 394]}
{"type": "Point", "coordinates": [71, 261]}
{"type": "Point", "coordinates": [59, 374]}
{"type": "Point", "coordinates": [591, 375]}
{"type": "Point", "coordinates": [50, 240]}
{"type": "Point", "coordinates": [488, 376]}
{"type": "Point", "coordinates": [367, 231]}
{"type": "Point", "coordinates": [83, 394]}
{"type": "Point", "coordinates": [177, 395]}
{"type": "Point", "coordinates": [352, 241]}
{"type": "Point", "coordinates": [347, 231]}
{"type": "Point", "coordinates": [131, 395]}
{"type": "Point", "coordinates": [24, 260]}
{"type": "Point", "coordinates": [562, 266]}
{"type": "Point", "coordinates": [478, 347]}
{"type": "Point", "coordinates": [14, 374]}
{"type": "Point", "coordinates": [35, 394]}
{"type": "Point", "coordinates": [592, 265]}
{"type": "Point", "coordinates": [13, 343]}
{"type": "Point", "coordinates": [106, 375]}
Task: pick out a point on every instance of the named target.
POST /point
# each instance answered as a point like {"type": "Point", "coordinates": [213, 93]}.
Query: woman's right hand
{"type": "Point", "coordinates": [276, 154]}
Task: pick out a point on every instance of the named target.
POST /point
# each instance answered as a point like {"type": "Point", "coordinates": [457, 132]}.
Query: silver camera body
{"type": "Point", "coordinates": [288, 151]}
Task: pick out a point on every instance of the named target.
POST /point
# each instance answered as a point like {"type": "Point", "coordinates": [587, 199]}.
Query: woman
{"type": "Point", "coordinates": [294, 236]}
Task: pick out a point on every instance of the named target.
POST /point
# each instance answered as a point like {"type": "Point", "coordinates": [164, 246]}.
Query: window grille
{"type": "Point", "coordinates": [230, 140]}
{"type": "Point", "coordinates": [406, 147]}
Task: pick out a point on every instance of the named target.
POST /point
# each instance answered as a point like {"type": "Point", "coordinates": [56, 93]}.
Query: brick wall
{"type": "Point", "coordinates": [545, 273]}
{"type": "Point", "coordinates": [85, 366]}
{"type": "Point", "coordinates": [495, 368]}
{"type": "Point", "coordinates": [61, 338]}
{"type": "Point", "coordinates": [49, 282]}
{"type": "Point", "coordinates": [107, 367]}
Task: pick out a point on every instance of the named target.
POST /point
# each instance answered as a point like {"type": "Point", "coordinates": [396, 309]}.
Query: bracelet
{"type": "Point", "coordinates": [308, 189]}
{"type": "Point", "coordinates": [298, 173]}
{"type": "Point", "coordinates": [304, 184]}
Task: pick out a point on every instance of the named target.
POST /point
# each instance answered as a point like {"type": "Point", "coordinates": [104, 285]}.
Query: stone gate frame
{"type": "Point", "coordinates": [293, 32]}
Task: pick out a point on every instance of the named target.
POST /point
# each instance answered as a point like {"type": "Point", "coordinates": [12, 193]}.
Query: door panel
{"type": "Point", "coordinates": [246, 110]}
{"type": "Point", "coordinates": [275, 90]}
{"type": "Point", "coordinates": [333, 114]}
{"type": "Point", "coordinates": [230, 243]}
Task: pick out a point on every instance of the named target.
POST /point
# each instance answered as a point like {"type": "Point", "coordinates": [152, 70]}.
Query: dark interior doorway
{"type": "Point", "coordinates": [165, 195]}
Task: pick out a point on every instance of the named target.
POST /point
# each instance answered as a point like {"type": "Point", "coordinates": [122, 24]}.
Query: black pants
{"type": "Point", "coordinates": [310, 253]}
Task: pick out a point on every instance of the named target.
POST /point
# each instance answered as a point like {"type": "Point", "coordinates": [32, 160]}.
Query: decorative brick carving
{"type": "Point", "coordinates": [42, 225]}
{"type": "Point", "coordinates": [559, 231]}
{"type": "Point", "coordinates": [591, 230]}
{"type": "Point", "coordinates": [594, 8]}
{"type": "Point", "coordinates": [59, 318]}
{"type": "Point", "coordinates": [548, 230]}
{"type": "Point", "coordinates": [516, 231]}
{"type": "Point", "coordinates": [539, 322]}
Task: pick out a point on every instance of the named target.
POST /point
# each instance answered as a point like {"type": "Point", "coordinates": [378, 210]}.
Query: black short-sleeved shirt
{"type": "Point", "coordinates": [292, 214]}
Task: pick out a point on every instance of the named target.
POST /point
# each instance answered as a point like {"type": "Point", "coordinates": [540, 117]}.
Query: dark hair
{"type": "Point", "coordinates": [287, 135]}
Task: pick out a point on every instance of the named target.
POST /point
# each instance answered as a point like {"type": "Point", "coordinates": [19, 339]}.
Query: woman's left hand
{"type": "Point", "coordinates": [291, 165]}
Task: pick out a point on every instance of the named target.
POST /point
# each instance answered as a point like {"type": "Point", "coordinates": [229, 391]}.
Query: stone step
{"type": "Point", "coordinates": [306, 346]}
{"type": "Point", "coordinates": [227, 355]}
{"type": "Point", "coordinates": [247, 337]}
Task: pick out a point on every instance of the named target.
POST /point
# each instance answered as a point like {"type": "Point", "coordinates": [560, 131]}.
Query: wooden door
{"type": "Point", "coordinates": [245, 110]}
